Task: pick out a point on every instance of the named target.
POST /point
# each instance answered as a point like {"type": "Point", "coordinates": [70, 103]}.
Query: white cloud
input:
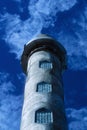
{"type": "Point", "coordinates": [10, 104]}
{"type": "Point", "coordinates": [21, 76]}
{"type": "Point", "coordinates": [10, 113]}
{"type": "Point", "coordinates": [82, 19]}
{"type": "Point", "coordinates": [3, 77]}
{"type": "Point", "coordinates": [19, 32]}
{"type": "Point", "coordinates": [48, 14]}
{"type": "Point", "coordinates": [6, 88]}
{"type": "Point", "coordinates": [74, 39]}
{"type": "Point", "coordinates": [51, 7]}
{"type": "Point", "coordinates": [78, 115]}
{"type": "Point", "coordinates": [6, 85]}
{"type": "Point", "coordinates": [77, 119]}
{"type": "Point", "coordinates": [78, 125]}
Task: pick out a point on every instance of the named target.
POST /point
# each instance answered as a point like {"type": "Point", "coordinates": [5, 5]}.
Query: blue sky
{"type": "Point", "coordinates": [20, 21]}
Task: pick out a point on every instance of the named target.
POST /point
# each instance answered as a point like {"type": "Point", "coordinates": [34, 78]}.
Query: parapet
{"type": "Point", "coordinates": [43, 43]}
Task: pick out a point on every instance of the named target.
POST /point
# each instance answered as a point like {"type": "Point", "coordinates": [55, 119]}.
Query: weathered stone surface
{"type": "Point", "coordinates": [34, 100]}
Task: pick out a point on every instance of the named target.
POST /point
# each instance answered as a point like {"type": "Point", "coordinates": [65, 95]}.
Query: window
{"type": "Point", "coordinates": [43, 116]}
{"type": "Point", "coordinates": [44, 87]}
{"type": "Point", "coordinates": [45, 65]}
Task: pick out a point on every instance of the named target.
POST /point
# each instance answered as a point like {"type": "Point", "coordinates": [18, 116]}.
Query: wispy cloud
{"type": "Point", "coordinates": [77, 119]}
{"type": "Point", "coordinates": [74, 38]}
{"type": "Point", "coordinates": [10, 113]}
{"type": "Point", "coordinates": [19, 32]}
{"type": "Point", "coordinates": [51, 7]}
{"type": "Point", "coordinates": [10, 105]}
{"type": "Point", "coordinates": [71, 32]}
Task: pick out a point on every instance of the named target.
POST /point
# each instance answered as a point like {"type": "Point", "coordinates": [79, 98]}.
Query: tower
{"type": "Point", "coordinates": [43, 61]}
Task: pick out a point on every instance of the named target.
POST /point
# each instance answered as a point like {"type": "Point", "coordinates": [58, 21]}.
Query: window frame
{"type": "Point", "coordinates": [49, 66]}
{"type": "Point", "coordinates": [43, 87]}
{"type": "Point", "coordinates": [44, 118]}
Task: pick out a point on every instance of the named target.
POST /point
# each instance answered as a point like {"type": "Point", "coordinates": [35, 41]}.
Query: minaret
{"type": "Point", "coordinates": [43, 61]}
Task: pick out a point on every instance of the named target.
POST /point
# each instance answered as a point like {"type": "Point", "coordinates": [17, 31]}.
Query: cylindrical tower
{"type": "Point", "coordinates": [43, 60]}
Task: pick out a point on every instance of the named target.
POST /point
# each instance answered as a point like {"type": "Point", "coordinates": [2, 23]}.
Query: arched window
{"type": "Point", "coordinates": [44, 87]}
{"type": "Point", "coordinates": [43, 115]}
{"type": "Point", "coordinates": [45, 65]}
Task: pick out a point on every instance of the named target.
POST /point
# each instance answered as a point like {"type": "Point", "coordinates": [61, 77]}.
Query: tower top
{"type": "Point", "coordinates": [46, 43]}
